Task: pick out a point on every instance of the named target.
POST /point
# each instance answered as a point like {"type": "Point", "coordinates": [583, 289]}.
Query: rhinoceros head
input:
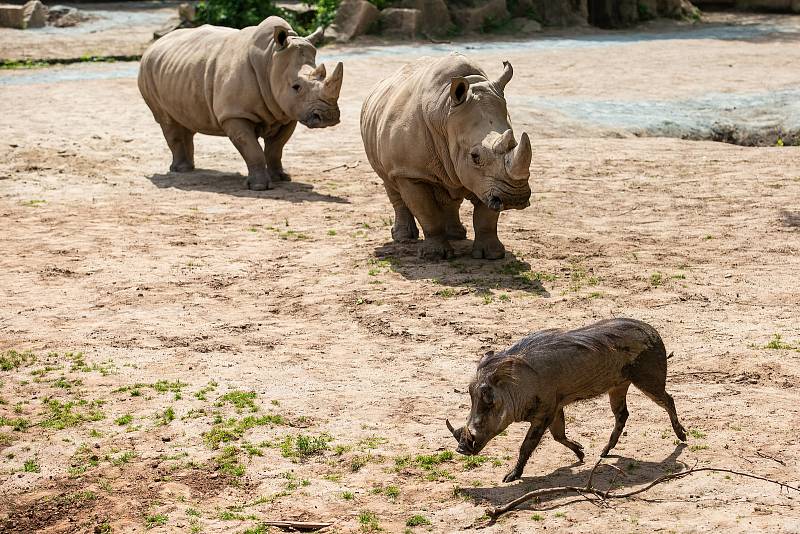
{"type": "Point", "coordinates": [303, 90]}
{"type": "Point", "coordinates": [488, 160]}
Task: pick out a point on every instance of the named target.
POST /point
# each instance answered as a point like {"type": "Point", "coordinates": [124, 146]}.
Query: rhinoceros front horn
{"type": "Point", "coordinates": [456, 433]}
{"type": "Point", "coordinates": [333, 83]}
{"type": "Point", "coordinates": [518, 161]}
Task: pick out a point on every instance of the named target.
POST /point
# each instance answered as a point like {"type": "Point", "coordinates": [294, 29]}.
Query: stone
{"type": "Point", "coordinates": [353, 18]}
{"type": "Point", "coordinates": [400, 22]}
{"type": "Point", "coordinates": [523, 25]}
{"type": "Point", "coordinates": [434, 18]}
{"type": "Point", "coordinates": [480, 15]}
{"type": "Point", "coordinates": [187, 12]}
{"type": "Point", "coordinates": [11, 16]}
{"type": "Point", "coordinates": [562, 12]}
{"type": "Point", "coordinates": [34, 14]}
{"type": "Point", "coordinates": [65, 16]}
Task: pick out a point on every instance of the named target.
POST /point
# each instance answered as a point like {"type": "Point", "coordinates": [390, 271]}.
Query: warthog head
{"type": "Point", "coordinates": [303, 90]}
{"type": "Point", "coordinates": [495, 402]}
{"type": "Point", "coordinates": [488, 160]}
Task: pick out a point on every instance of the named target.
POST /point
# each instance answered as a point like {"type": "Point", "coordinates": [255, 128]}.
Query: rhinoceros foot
{"type": "Point", "coordinates": [181, 167]}
{"type": "Point", "coordinates": [456, 231]}
{"type": "Point", "coordinates": [258, 183]}
{"type": "Point", "coordinates": [488, 248]}
{"type": "Point", "coordinates": [435, 249]}
{"type": "Point", "coordinates": [279, 175]}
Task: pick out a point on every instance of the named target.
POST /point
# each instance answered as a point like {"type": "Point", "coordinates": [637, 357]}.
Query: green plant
{"type": "Point", "coordinates": [303, 447]}
{"type": "Point", "coordinates": [124, 419]}
{"type": "Point", "coordinates": [156, 520]}
{"type": "Point", "coordinates": [417, 520]}
{"type": "Point", "coordinates": [348, 495]}
{"type": "Point", "coordinates": [240, 399]}
{"type": "Point", "coordinates": [30, 466]}
{"type": "Point", "coordinates": [11, 359]}
{"type": "Point", "coordinates": [777, 343]}
{"type": "Point", "coordinates": [166, 417]}
{"type": "Point", "coordinates": [369, 521]}
{"type": "Point", "coordinates": [656, 279]}
{"type": "Point", "coordinates": [537, 517]}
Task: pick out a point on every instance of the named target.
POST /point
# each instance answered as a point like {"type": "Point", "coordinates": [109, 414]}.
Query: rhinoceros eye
{"type": "Point", "coordinates": [476, 157]}
{"type": "Point", "coordinates": [296, 88]}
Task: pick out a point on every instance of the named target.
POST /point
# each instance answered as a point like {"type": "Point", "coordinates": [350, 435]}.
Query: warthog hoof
{"type": "Point", "coordinates": [512, 475]}
{"type": "Point", "coordinates": [490, 249]}
{"type": "Point", "coordinates": [435, 249]}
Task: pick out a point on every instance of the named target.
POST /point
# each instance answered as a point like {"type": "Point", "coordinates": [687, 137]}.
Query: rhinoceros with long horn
{"type": "Point", "coordinates": [437, 132]}
{"type": "Point", "coordinates": [258, 82]}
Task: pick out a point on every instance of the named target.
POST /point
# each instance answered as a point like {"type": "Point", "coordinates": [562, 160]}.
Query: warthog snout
{"type": "Point", "coordinates": [466, 443]}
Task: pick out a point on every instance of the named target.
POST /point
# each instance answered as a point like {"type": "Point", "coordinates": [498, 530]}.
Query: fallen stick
{"type": "Point", "coordinates": [297, 525]}
{"type": "Point", "coordinates": [496, 512]}
{"type": "Point", "coordinates": [344, 166]}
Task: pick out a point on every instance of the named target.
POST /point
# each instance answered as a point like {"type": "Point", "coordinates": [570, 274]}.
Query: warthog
{"type": "Point", "coordinates": [539, 375]}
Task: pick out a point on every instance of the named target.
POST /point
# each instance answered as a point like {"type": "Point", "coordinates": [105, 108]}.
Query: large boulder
{"type": "Point", "coordinates": [480, 15]}
{"type": "Point", "coordinates": [400, 22]}
{"type": "Point", "coordinates": [31, 15]}
{"type": "Point", "coordinates": [353, 18]}
{"type": "Point", "coordinates": [560, 12]}
{"type": "Point", "coordinates": [65, 16]}
{"type": "Point", "coordinates": [434, 17]}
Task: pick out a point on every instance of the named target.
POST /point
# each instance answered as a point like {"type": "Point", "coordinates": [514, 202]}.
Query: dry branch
{"type": "Point", "coordinates": [601, 496]}
{"type": "Point", "coordinates": [296, 525]}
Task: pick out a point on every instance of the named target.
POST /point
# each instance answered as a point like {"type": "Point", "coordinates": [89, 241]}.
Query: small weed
{"type": "Point", "coordinates": [228, 462]}
{"type": "Point", "coordinates": [697, 434]}
{"type": "Point", "coordinates": [446, 293]}
{"type": "Point", "coordinates": [656, 279]}
{"type": "Point", "coordinates": [537, 517]}
{"type": "Point", "coordinates": [11, 359]}
{"type": "Point", "coordinates": [303, 447]}
{"type": "Point", "coordinates": [122, 459]}
{"type": "Point", "coordinates": [30, 466]}
{"type": "Point", "coordinates": [33, 203]}
{"type": "Point", "coordinates": [417, 520]}
{"type": "Point", "coordinates": [358, 461]}
{"type": "Point", "coordinates": [62, 415]}
{"type": "Point", "coordinates": [124, 419]}
{"type": "Point", "coordinates": [193, 512]}
{"type": "Point", "coordinates": [233, 429]}
{"type": "Point", "coordinates": [369, 521]}
{"type": "Point", "coordinates": [19, 424]}
{"type": "Point", "coordinates": [240, 399]}
{"type": "Point", "coordinates": [392, 492]}
{"type": "Point", "coordinates": [777, 343]}
{"type": "Point", "coordinates": [471, 462]}
{"type": "Point", "coordinates": [348, 495]}
{"type": "Point", "coordinates": [157, 520]}
{"type": "Point", "coordinates": [695, 448]}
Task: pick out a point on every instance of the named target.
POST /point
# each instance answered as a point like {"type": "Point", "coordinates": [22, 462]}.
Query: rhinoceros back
{"type": "Point", "coordinates": [177, 75]}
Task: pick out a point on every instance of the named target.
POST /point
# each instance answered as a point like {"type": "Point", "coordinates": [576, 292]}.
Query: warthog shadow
{"type": "Point", "coordinates": [629, 474]}
{"type": "Point", "coordinates": [463, 273]}
{"type": "Point", "coordinates": [226, 183]}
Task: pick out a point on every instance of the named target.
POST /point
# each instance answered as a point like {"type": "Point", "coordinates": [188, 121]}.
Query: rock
{"type": "Point", "coordinates": [171, 26]}
{"type": "Point", "coordinates": [65, 16]}
{"type": "Point", "coordinates": [400, 22]}
{"type": "Point", "coordinates": [434, 17]}
{"type": "Point", "coordinates": [187, 12]}
{"type": "Point", "coordinates": [560, 12]}
{"type": "Point", "coordinates": [613, 13]}
{"type": "Point", "coordinates": [354, 18]}
{"type": "Point", "coordinates": [31, 15]}
{"type": "Point", "coordinates": [523, 25]}
{"type": "Point", "coordinates": [34, 14]}
{"type": "Point", "coordinates": [482, 14]}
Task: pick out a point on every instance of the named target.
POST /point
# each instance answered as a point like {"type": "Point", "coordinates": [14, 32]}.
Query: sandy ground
{"type": "Point", "coordinates": [188, 295]}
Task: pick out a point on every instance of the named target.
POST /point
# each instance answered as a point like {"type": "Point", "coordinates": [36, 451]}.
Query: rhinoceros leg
{"type": "Point", "coordinates": [486, 244]}
{"type": "Point", "coordinates": [454, 229]}
{"type": "Point", "coordinates": [404, 228]}
{"type": "Point", "coordinates": [273, 152]}
{"type": "Point", "coordinates": [181, 144]}
{"type": "Point", "coordinates": [242, 134]}
{"type": "Point", "coordinates": [421, 201]}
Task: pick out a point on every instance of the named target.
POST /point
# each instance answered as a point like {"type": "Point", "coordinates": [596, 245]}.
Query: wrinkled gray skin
{"type": "Point", "coordinates": [534, 379]}
{"type": "Point", "coordinates": [437, 132]}
{"type": "Point", "coordinates": [247, 84]}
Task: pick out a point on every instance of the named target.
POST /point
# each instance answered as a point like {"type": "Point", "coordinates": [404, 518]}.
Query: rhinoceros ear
{"type": "Point", "coordinates": [280, 37]}
{"type": "Point", "coordinates": [459, 87]}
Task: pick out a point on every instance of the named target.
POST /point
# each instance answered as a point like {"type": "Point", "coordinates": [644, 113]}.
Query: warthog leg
{"type": "Point", "coordinates": [618, 398]}
{"type": "Point", "coordinates": [532, 439]}
{"type": "Point", "coordinates": [558, 430]}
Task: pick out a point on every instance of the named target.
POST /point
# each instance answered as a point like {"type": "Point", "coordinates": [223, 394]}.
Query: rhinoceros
{"type": "Point", "coordinates": [437, 132]}
{"type": "Point", "coordinates": [244, 84]}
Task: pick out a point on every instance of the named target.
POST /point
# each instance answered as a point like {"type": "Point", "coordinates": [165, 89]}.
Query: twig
{"type": "Point", "coordinates": [297, 525]}
{"type": "Point", "coordinates": [346, 166]}
{"type": "Point", "coordinates": [628, 211]}
{"type": "Point", "coordinates": [496, 512]}
{"type": "Point", "coordinates": [768, 457]}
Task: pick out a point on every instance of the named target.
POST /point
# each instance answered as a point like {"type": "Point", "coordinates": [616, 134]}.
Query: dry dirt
{"type": "Point", "coordinates": [181, 289]}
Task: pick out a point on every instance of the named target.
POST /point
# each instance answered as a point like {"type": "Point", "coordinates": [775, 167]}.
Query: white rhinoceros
{"type": "Point", "coordinates": [436, 132]}
{"type": "Point", "coordinates": [245, 84]}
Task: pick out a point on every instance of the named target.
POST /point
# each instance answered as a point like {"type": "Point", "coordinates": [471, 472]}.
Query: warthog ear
{"type": "Point", "coordinates": [508, 72]}
{"type": "Point", "coordinates": [280, 37]}
{"type": "Point", "coordinates": [459, 87]}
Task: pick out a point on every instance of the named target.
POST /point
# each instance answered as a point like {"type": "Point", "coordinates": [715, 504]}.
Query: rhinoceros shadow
{"type": "Point", "coordinates": [791, 218]}
{"type": "Point", "coordinates": [226, 183]}
{"type": "Point", "coordinates": [629, 474]}
{"type": "Point", "coordinates": [463, 274]}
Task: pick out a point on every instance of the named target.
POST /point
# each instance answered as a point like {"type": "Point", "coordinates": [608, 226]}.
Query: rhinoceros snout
{"type": "Point", "coordinates": [321, 119]}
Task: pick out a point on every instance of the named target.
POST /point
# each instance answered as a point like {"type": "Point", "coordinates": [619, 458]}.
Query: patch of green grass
{"type": "Point", "coordinates": [124, 419]}
{"type": "Point", "coordinates": [303, 447]}
{"type": "Point", "coordinates": [63, 415]}
{"type": "Point", "coordinates": [471, 462]}
{"type": "Point", "coordinates": [165, 417]}
{"type": "Point", "coordinates": [348, 495]}
{"type": "Point", "coordinates": [164, 386]}
{"type": "Point", "coordinates": [331, 232]}
{"type": "Point", "coordinates": [417, 520]}
{"type": "Point", "coordinates": [252, 450]}
{"type": "Point", "coordinates": [429, 463]}
{"type": "Point", "coordinates": [240, 400]}
{"type": "Point", "coordinates": [5, 439]}
{"type": "Point", "coordinates": [537, 517]}
{"type": "Point", "coordinates": [697, 434]}
{"type": "Point", "coordinates": [656, 279]}
{"type": "Point", "coordinates": [369, 521]}
{"type": "Point", "coordinates": [12, 359]}
{"type": "Point", "coordinates": [233, 429]}
{"type": "Point", "coordinates": [228, 462]}
{"type": "Point", "coordinates": [208, 388]}
{"type": "Point", "coordinates": [358, 461]}
{"type": "Point", "coordinates": [122, 459]}
{"type": "Point", "coordinates": [392, 492]}
{"type": "Point", "coordinates": [193, 512]}
{"type": "Point", "coordinates": [777, 343]}
{"type": "Point", "coordinates": [258, 529]}
{"type": "Point", "coordinates": [446, 293]}
{"type": "Point", "coordinates": [64, 383]}
{"type": "Point", "coordinates": [695, 448]}
{"type": "Point", "coordinates": [30, 466]}
{"type": "Point", "coordinates": [156, 520]}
